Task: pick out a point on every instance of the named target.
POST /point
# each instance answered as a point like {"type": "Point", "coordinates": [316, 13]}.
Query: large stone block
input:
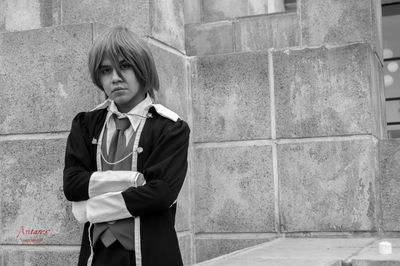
{"type": "Point", "coordinates": [209, 38]}
{"type": "Point", "coordinates": [17, 15]}
{"type": "Point", "coordinates": [185, 246]}
{"type": "Point", "coordinates": [234, 189]}
{"type": "Point", "coordinates": [231, 98]}
{"type": "Point", "coordinates": [32, 197]}
{"type": "Point", "coordinates": [328, 186]}
{"type": "Point", "coordinates": [167, 22]}
{"type": "Point", "coordinates": [264, 32]}
{"type": "Point", "coordinates": [134, 14]}
{"type": "Point", "coordinates": [44, 78]}
{"type": "Point", "coordinates": [376, 12]}
{"type": "Point", "coordinates": [324, 92]}
{"type": "Point", "coordinates": [378, 99]}
{"type": "Point", "coordinates": [183, 208]}
{"type": "Point", "coordinates": [222, 9]}
{"type": "Point", "coordinates": [333, 21]}
{"type": "Point", "coordinates": [172, 69]}
{"type": "Point", "coordinates": [207, 249]}
{"type": "Point", "coordinates": [257, 7]}
{"type": "Point", "coordinates": [390, 183]}
{"type": "Point", "coordinates": [192, 11]}
{"type": "Point", "coordinates": [44, 256]}
{"type": "Point", "coordinates": [99, 29]}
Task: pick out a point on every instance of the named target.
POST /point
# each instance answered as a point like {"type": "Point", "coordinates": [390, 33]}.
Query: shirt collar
{"type": "Point", "coordinates": [134, 115]}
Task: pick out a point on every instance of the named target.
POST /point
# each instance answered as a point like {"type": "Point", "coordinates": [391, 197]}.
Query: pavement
{"type": "Point", "coordinates": [312, 252]}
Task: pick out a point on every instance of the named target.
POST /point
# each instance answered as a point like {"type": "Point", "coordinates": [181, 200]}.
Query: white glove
{"type": "Point", "coordinates": [139, 180]}
{"type": "Point", "coordinates": [79, 211]}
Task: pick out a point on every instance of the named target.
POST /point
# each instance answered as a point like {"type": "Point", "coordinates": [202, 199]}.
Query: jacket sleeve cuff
{"type": "Point", "coordinates": [111, 181]}
{"type": "Point", "coordinates": [107, 207]}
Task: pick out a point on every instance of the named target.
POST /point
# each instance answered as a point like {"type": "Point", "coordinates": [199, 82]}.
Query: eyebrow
{"type": "Point", "coordinates": [110, 64]}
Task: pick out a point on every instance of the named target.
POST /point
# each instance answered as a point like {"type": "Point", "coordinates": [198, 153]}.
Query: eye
{"type": "Point", "coordinates": [125, 66]}
{"type": "Point", "coordinates": [105, 70]}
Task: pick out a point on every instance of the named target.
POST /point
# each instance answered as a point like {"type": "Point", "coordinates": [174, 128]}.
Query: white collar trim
{"type": "Point", "coordinates": [134, 115]}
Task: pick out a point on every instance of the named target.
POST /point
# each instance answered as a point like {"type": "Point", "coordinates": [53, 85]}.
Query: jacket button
{"type": "Point", "coordinates": [139, 150]}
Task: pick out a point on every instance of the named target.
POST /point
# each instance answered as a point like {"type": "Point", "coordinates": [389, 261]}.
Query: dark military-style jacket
{"type": "Point", "coordinates": [162, 159]}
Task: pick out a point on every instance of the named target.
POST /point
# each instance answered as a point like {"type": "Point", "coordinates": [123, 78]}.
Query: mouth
{"type": "Point", "coordinates": [118, 89]}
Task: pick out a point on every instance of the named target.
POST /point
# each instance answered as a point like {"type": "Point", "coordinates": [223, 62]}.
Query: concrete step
{"type": "Point", "coordinates": [243, 34]}
{"type": "Point", "coordinates": [369, 256]}
{"type": "Point", "coordinates": [312, 252]}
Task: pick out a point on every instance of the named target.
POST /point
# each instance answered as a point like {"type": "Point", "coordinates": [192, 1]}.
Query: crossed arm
{"type": "Point", "coordinates": [111, 195]}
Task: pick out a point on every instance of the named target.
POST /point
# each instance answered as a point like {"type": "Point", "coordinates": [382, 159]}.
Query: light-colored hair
{"type": "Point", "coordinates": [120, 42]}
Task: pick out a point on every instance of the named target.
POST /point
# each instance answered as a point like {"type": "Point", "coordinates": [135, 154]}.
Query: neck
{"type": "Point", "coordinates": [125, 108]}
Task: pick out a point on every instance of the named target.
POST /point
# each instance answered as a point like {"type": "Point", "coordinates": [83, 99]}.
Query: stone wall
{"type": "Point", "coordinates": [287, 124]}
{"type": "Point", "coordinates": [286, 112]}
{"type": "Point", "coordinates": [45, 83]}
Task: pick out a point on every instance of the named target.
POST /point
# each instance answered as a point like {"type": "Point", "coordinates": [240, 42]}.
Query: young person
{"type": "Point", "coordinates": [126, 160]}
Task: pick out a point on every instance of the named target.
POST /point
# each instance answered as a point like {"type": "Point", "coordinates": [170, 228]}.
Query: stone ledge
{"type": "Point", "coordinates": [370, 256]}
{"type": "Point", "coordinates": [312, 251]}
{"type": "Point", "coordinates": [44, 255]}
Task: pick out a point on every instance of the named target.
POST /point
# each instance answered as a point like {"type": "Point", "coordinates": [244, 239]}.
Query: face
{"type": "Point", "coordinates": [125, 89]}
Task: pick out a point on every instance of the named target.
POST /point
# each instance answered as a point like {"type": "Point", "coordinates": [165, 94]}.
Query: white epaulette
{"type": "Point", "coordinates": [165, 112]}
{"type": "Point", "coordinates": [103, 105]}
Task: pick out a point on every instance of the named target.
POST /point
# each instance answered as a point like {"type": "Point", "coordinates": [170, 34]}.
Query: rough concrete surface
{"type": "Point", "coordinates": [172, 71]}
{"type": "Point", "coordinates": [218, 10]}
{"type": "Point", "coordinates": [230, 97]}
{"type": "Point", "coordinates": [167, 22]}
{"type": "Point", "coordinates": [257, 7]}
{"type": "Point", "coordinates": [378, 99]}
{"type": "Point", "coordinates": [32, 196]}
{"type": "Point", "coordinates": [209, 38]}
{"type": "Point", "coordinates": [333, 21]}
{"type": "Point", "coordinates": [43, 256]}
{"type": "Point", "coordinates": [234, 189]}
{"type": "Point", "coordinates": [323, 91]}
{"type": "Point", "coordinates": [264, 32]}
{"type": "Point", "coordinates": [328, 186]}
{"type": "Point", "coordinates": [134, 14]}
{"type": "Point", "coordinates": [389, 159]}
{"type": "Point", "coordinates": [192, 11]}
{"type": "Point", "coordinates": [44, 78]}
{"type": "Point", "coordinates": [207, 249]}
{"type": "Point", "coordinates": [18, 15]}
{"type": "Point", "coordinates": [370, 256]}
{"type": "Point", "coordinates": [376, 11]}
{"type": "Point", "coordinates": [185, 246]}
{"type": "Point", "coordinates": [182, 222]}
{"type": "Point", "coordinates": [294, 252]}
{"type": "Point", "coordinates": [223, 9]}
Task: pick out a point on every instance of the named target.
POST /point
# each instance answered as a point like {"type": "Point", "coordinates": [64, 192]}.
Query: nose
{"type": "Point", "coordinates": [115, 76]}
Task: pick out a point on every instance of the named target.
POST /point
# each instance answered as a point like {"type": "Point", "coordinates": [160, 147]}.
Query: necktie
{"type": "Point", "coordinates": [118, 141]}
{"type": "Point", "coordinates": [116, 152]}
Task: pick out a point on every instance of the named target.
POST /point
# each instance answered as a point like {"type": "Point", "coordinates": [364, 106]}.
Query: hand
{"type": "Point", "coordinates": [79, 211]}
{"type": "Point", "coordinates": [140, 181]}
